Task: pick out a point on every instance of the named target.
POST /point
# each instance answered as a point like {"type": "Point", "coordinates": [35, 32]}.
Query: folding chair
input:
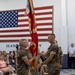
{"type": "Point", "coordinates": [11, 70]}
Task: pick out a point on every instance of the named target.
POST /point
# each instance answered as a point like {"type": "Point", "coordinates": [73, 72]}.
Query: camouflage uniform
{"type": "Point", "coordinates": [54, 65]}
{"type": "Point", "coordinates": [60, 53]}
{"type": "Point", "coordinates": [23, 68]}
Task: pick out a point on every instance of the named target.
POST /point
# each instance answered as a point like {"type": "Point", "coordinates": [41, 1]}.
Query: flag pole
{"type": "Point", "coordinates": [33, 32]}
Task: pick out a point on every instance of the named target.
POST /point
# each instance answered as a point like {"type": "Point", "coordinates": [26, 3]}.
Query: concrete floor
{"type": "Point", "coordinates": [67, 72]}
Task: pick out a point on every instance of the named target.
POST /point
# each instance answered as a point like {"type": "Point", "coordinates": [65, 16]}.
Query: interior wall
{"type": "Point", "coordinates": [58, 28]}
{"type": "Point", "coordinates": [64, 33]}
{"type": "Point", "coordinates": [71, 21]}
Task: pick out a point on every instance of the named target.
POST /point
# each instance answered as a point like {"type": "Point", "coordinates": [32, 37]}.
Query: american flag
{"type": "Point", "coordinates": [14, 24]}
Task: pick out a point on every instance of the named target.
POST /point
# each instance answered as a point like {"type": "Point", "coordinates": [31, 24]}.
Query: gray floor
{"type": "Point", "coordinates": [67, 72]}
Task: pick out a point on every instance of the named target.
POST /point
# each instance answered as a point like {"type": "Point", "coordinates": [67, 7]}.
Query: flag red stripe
{"type": "Point", "coordinates": [23, 25]}
{"type": "Point", "coordinates": [23, 18]}
{"type": "Point", "coordinates": [43, 24]}
{"type": "Point", "coordinates": [22, 10]}
{"type": "Point", "coordinates": [41, 8]}
{"type": "Point", "coordinates": [25, 30]}
{"type": "Point", "coordinates": [43, 13]}
{"type": "Point", "coordinates": [18, 40]}
{"type": "Point", "coordinates": [21, 15]}
{"type": "Point", "coordinates": [36, 14]}
{"type": "Point", "coordinates": [45, 18]}
{"type": "Point", "coordinates": [38, 24]}
{"type": "Point", "coordinates": [37, 8]}
{"type": "Point", "coordinates": [22, 35]}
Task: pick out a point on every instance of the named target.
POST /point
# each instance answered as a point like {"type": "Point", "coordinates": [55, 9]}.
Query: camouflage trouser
{"type": "Point", "coordinates": [53, 71]}
{"type": "Point", "coordinates": [26, 73]}
{"type": "Point", "coordinates": [22, 72]}
{"type": "Point", "coordinates": [33, 72]}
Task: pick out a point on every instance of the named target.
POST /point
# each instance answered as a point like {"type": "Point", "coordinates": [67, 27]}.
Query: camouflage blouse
{"type": "Point", "coordinates": [23, 68]}
{"type": "Point", "coordinates": [53, 49]}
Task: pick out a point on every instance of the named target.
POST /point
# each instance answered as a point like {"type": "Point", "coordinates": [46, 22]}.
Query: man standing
{"type": "Point", "coordinates": [24, 58]}
{"type": "Point", "coordinates": [52, 55]}
{"type": "Point", "coordinates": [71, 58]}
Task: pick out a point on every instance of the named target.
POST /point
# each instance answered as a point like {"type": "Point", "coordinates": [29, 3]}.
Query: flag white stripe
{"type": "Point", "coordinates": [36, 11]}
{"type": "Point", "coordinates": [37, 16]}
{"type": "Point", "coordinates": [43, 21]}
{"type": "Point", "coordinates": [20, 28]}
{"type": "Point", "coordinates": [27, 32]}
{"type": "Point", "coordinates": [18, 38]}
{"type": "Point", "coordinates": [21, 22]}
{"type": "Point", "coordinates": [42, 16]}
{"type": "Point", "coordinates": [22, 18]}
{"type": "Point", "coordinates": [45, 10]}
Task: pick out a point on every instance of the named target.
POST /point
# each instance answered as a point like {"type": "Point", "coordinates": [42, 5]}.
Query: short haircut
{"type": "Point", "coordinates": [52, 35]}
{"type": "Point", "coordinates": [21, 40]}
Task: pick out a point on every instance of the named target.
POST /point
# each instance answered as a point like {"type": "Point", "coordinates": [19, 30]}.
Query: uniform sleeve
{"type": "Point", "coordinates": [24, 57]}
{"type": "Point", "coordinates": [54, 50]}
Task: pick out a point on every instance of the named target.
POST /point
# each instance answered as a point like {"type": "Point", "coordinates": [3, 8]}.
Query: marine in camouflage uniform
{"type": "Point", "coordinates": [54, 65]}
{"type": "Point", "coordinates": [24, 59]}
{"type": "Point", "coordinates": [23, 68]}
{"type": "Point", "coordinates": [52, 57]}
